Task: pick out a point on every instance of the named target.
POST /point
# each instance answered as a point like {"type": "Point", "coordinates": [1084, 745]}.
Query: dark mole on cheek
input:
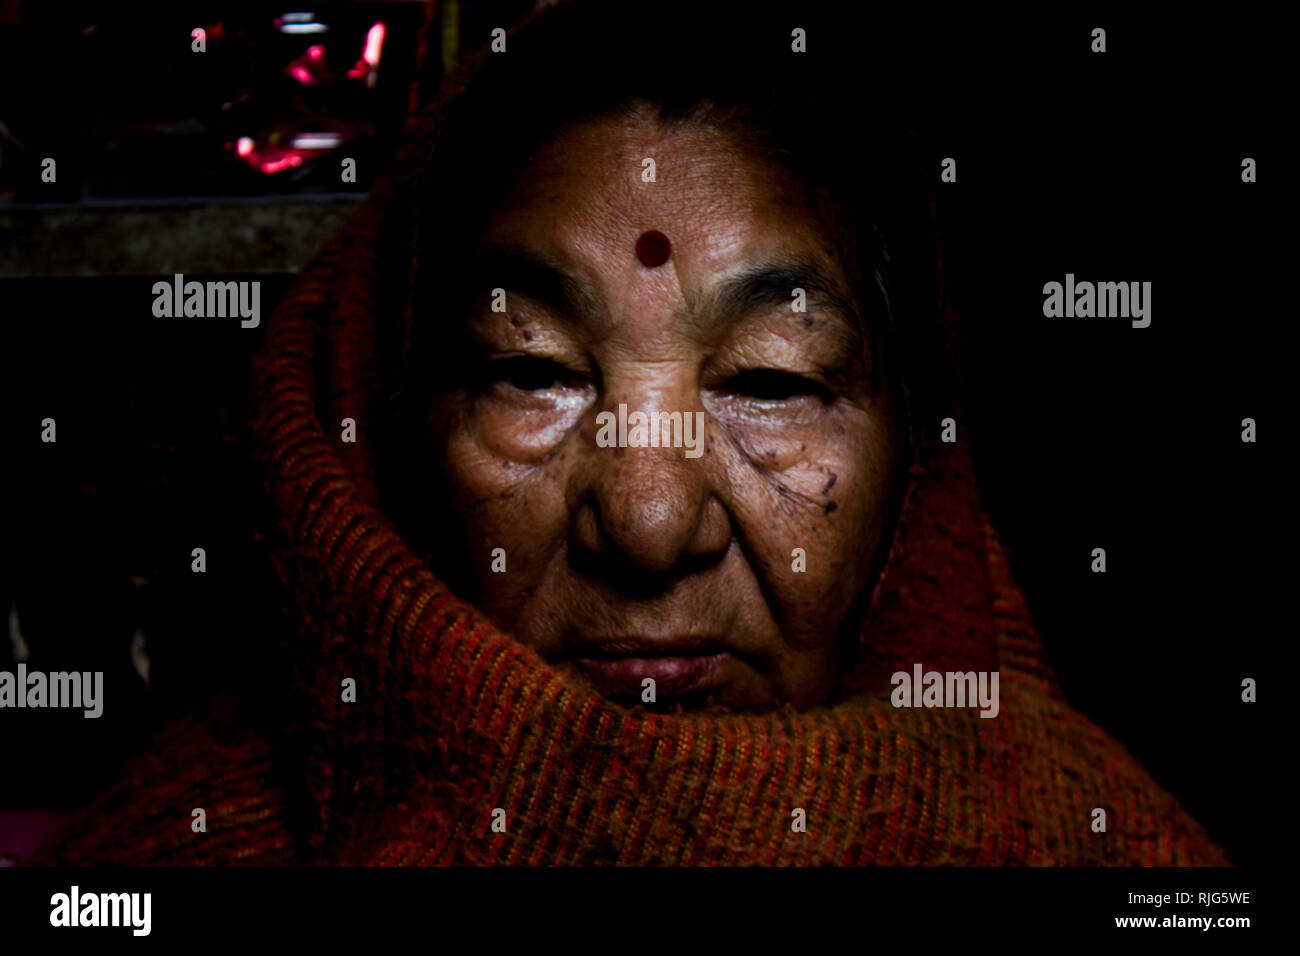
{"type": "Point", "coordinates": [831, 506]}
{"type": "Point", "coordinates": [830, 483]}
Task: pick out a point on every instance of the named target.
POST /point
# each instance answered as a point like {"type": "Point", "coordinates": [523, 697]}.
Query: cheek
{"type": "Point", "coordinates": [821, 486]}
{"type": "Point", "coordinates": [507, 490]}
{"type": "Point", "coordinates": [517, 429]}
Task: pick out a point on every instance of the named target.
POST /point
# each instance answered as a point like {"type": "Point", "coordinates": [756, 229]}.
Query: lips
{"type": "Point", "coordinates": [672, 675]}
{"type": "Point", "coordinates": [619, 667]}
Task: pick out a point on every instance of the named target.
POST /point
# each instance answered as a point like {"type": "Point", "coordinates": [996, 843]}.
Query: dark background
{"type": "Point", "coordinates": [1124, 166]}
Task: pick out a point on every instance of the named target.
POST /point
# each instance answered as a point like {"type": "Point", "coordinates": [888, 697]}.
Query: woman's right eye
{"type": "Point", "coordinates": [529, 373]}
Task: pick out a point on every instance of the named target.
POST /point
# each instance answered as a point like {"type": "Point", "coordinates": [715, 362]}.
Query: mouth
{"type": "Point", "coordinates": [619, 667]}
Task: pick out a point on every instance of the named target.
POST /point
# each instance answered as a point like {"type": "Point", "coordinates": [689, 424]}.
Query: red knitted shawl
{"type": "Point", "coordinates": [454, 720]}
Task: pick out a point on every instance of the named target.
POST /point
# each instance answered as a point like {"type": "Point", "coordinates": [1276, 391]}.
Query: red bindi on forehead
{"type": "Point", "coordinates": [653, 249]}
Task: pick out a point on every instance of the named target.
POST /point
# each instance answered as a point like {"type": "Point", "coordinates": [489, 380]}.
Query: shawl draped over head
{"type": "Point", "coordinates": [454, 720]}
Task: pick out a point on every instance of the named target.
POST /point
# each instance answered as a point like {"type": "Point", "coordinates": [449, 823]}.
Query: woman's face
{"type": "Point", "coordinates": [723, 566]}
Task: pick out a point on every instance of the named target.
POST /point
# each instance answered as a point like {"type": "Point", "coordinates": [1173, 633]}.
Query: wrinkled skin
{"type": "Point", "coordinates": [802, 437]}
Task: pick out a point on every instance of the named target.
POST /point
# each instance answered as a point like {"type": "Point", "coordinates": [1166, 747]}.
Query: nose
{"type": "Point", "coordinates": [648, 513]}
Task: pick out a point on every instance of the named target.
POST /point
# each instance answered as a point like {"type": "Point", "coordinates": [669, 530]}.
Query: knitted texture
{"type": "Point", "coordinates": [455, 720]}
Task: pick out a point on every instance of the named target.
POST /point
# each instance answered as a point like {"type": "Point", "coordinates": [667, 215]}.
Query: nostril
{"type": "Point", "coordinates": [640, 548]}
{"type": "Point", "coordinates": [584, 530]}
{"type": "Point", "coordinates": [651, 524]}
{"type": "Point", "coordinates": [632, 580]}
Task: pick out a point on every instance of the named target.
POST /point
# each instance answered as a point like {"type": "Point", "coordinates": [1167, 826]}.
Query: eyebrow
{"type": "Point", "coordinates": [539, 277]}
{"type": "Point", "coordinates": [773, 284]}
{"type": "Point", "coordinates": [546, 280]}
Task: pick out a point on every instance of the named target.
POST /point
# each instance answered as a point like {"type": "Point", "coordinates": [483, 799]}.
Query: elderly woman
{"type": "Point", "coordinates": [618, 465]}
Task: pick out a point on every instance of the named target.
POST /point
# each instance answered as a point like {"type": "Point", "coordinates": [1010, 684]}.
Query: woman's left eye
{"type": "Point", "coordinates": [774, 385]}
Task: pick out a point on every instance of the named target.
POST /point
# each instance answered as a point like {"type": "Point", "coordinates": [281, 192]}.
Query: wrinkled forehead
{"type": "Point", "coordinates": [590, 191]}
